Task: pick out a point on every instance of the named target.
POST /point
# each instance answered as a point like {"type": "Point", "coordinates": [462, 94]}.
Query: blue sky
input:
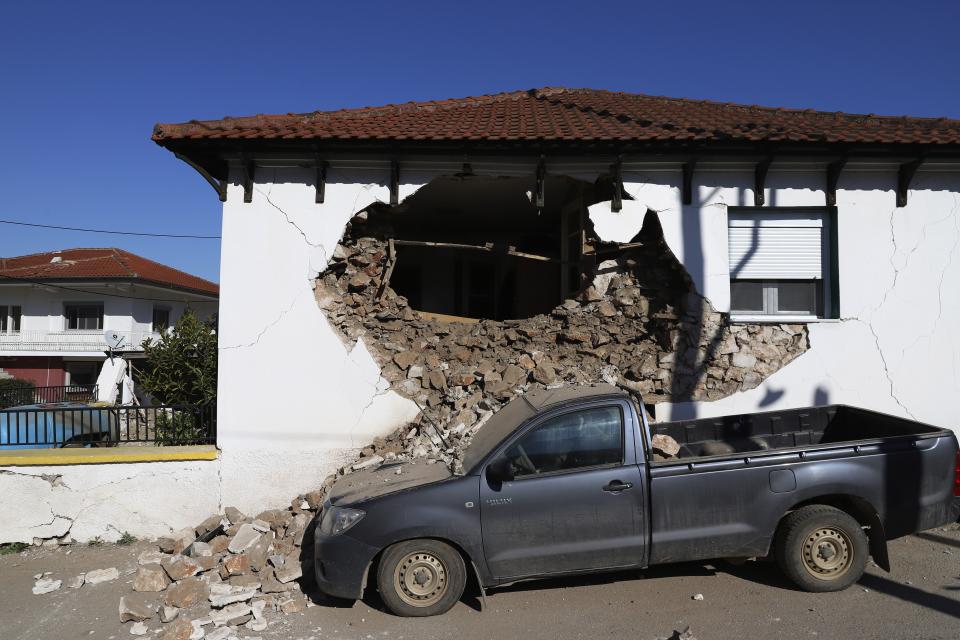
{"type": "Point", "coordinates": [81, 84]}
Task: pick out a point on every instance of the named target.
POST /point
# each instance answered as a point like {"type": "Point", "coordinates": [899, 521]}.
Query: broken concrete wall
{"type": "Point", "coordinates": [296, 402]}
{"type": "Point", "coordinates": [82, 502]}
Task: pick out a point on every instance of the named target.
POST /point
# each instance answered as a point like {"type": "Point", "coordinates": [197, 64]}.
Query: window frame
{"type": "Point", "coordinates": [829, 294]}
{"type": "Point", "coordinates": [153, 318]}
{"type": "Point", "coordinates": [547, 417]}
{"type": "Point", "coordinates": [66, 315]}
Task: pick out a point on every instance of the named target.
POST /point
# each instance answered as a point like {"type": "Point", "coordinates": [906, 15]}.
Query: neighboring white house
{"type": "Point", "coordinates": [846, 226]}
{"type": "Point", "coordinates": [55, 308]}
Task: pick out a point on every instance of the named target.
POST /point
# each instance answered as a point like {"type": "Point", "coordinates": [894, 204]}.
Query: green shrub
{"type": "Point", "coordinates": [127, 538]}
{"type": "Point", "coordinates": [181, 367]}
{"type": "Point", "coordinates": [14, 391]}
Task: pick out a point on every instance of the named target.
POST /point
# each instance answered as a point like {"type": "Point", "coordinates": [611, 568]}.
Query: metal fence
{"type": "Point", "coordinates": [37, 395]}
{"type": "Point", "coordinates": [80, 426]}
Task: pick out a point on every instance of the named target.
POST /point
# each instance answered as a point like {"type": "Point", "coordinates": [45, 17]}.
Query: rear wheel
{"type": "Point", "coordinates": [821, 548]}
{"type": "Point", "coordinates": [421, 577]}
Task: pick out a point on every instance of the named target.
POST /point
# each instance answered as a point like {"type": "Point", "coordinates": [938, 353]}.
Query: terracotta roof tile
{"type": "Point", "coordinates": [557, 114]}
{"type": "Point", "coordinates": [101, 263]}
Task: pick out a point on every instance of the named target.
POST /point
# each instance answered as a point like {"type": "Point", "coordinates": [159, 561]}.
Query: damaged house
{"type": "Point", "coordinates": [391, 276]}
{"type": "Point", "coordinates": [392, 267]}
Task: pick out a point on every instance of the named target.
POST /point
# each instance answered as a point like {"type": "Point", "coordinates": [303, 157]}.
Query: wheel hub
{"type": "Point", "coordinates": [420, 579]}
{"type": "Point", "coordinates": [826, 553]}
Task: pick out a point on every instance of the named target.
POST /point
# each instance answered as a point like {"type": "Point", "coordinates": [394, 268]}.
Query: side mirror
{"type": "Point", "coordinates": [500, 470]}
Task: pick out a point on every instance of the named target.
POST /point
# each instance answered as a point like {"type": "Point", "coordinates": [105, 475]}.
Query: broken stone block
{"type": "Point", "coordinates": [315, 498]}
{"type": "Point", "coordinates": [237, 565]}
{"type": "Point", "coordinates": [199, 549]}
{"type": "Point", "coordinates": [168, 613]}
{"type": "Point", "coordinates": [101, 575]}
{"type": "Point", "coordinates": [260, 525]}
{"type": "Point", "coordinates": [208, 525]}
{"type": "Point", "coordinates": [219, 544]}
{"type": "Point", "coordinates": [513, 375]}
{"type": "Point", "coordinates": [45, 585]}
{"type": "Point", "coordinates": [234, 515]}
{"type": "Point", "coordinates": [665, 445]}
{"type": "Point", "coordinates": [186, 592]}
{"type": "Point", "coordinates": [545, 373]}
{"type": "Point", "coordinates": [743, 360]}
{"type": "Point", "coordinates": [259, 551]}
{"type": "Point", "coordinates": [182, 629]}
{"type": "Point", "coordinates": [179, 567]}
{"type": "Point", "coordinates": [136, 607]}
{"type": "Point", "coordinates": [290, 571]}
{"type": "Point", "coordinates": [150, 578]}
{"type": "Point", "coordinates": [269, 583]}
{"type": "Point", "coordinates": [223, 594]}
{"type": "Point", "coordinates": [246, 537]}
{"type": "Point", "coordinates": [229, 614]}
{"type": "Point", "coordinates": [751, 380]}
{"type": "Point", "coordinates": [77, 581]}
{"type": "Point", "coordinates": [138, 629]}
{"type": "Point", "coordinates": [405, 359]}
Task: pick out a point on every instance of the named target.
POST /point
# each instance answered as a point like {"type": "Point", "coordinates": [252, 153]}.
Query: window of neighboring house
{"type": "Point", "coordinates": [581, 439]}
{"type": "Point", "coordinates": [161, 319]}
{"type": "Point", "coordinates": [81, 373]}
{"type": "Point", "coordinates": [84, 317]}
{"type": "Point", "coordinates": [10, 318]}
{"type": "Point", "coordinates": [782, 263]}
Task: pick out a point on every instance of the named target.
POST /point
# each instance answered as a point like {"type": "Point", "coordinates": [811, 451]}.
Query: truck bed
{"type": "Point", "coordinates": [786, 429]}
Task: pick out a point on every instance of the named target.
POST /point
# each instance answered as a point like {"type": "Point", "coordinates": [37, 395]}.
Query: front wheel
{"type": "Point", "coordinates": [821, 548]}
{"type": "Point", "coordinates": [421, 577]}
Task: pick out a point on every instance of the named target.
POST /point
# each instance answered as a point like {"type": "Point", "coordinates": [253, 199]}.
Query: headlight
{"type": "Point", "coordinates": [339, 519]}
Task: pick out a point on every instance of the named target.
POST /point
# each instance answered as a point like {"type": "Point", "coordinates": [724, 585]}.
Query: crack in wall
{"type": "Point", "coordinates": [263, 331]}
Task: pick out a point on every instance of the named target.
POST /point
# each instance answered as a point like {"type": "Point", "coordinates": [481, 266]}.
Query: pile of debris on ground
{"type": "Point", "coordinates": [228, 576]}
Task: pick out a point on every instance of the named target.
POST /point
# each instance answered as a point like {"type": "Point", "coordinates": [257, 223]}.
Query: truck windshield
{"type": "Point", "coordinates": [497, 429]}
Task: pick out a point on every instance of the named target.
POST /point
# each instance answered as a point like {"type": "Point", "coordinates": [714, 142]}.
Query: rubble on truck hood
{"type": "Point", "coordinates": [385, 479]}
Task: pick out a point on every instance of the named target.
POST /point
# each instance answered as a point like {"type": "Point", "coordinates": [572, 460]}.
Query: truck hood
{"type": "Point", "coordinates": [361, 486]}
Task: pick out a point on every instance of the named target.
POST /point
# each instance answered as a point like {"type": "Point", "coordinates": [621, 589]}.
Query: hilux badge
{"type": "Point", "coordinates": [498, 501]}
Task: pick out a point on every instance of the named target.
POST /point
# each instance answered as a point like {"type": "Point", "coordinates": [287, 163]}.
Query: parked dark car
{"type": "Point", "coordinates": [563, 481]}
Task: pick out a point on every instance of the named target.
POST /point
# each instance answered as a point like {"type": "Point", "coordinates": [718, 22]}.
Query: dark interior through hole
{"type": "Point", "coordinates": [479, 247]}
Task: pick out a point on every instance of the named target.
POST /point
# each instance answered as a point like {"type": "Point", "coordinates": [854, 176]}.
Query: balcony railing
{"type": "Point", "coordinates": [38, 395]}
{"type": "Point", "coordinates": [70, 340]}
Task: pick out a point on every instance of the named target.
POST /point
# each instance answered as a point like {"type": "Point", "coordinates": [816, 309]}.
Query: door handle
{"type": "Point", "coordinates": [615, 486]}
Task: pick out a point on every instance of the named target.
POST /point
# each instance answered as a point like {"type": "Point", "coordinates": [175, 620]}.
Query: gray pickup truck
{"type": "Point", "coordinates": [565, 481]}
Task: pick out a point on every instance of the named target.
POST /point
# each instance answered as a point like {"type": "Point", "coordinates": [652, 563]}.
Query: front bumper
{"type": "Point", "coordinates": [955, 510]}
{"type": "Point", "coordinates": [340, 565]}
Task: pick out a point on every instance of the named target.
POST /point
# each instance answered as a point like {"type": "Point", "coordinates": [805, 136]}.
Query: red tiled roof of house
{"type": "Point", "coordinates": [97, 264]}
{"type": "Point", "coordinates": [571, 115]}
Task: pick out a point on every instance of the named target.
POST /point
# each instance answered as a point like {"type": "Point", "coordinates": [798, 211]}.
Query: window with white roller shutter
{"type": "Point", "coordinates": [779, 262]}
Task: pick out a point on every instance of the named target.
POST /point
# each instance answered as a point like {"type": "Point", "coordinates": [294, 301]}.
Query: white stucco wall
{"type": "Point", "coordinates": [295, 401]}
{"type": "Point", "coordinates": [147, 499]}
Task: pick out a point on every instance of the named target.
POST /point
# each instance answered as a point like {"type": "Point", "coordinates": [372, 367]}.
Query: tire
{"type": "Point", "coordinates": [418, 578]}
{"type": "Point", "coordinates": [821, 548]}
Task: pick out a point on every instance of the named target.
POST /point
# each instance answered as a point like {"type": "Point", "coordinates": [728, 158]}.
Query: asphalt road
{"type": "Point", "coordinates": [920, 599]}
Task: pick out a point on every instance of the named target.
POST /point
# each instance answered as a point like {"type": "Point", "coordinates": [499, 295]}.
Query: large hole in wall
{"type": "Point", "coordinates": [625, 313]}
{"type": "Point", "coordinates": [480, 247]}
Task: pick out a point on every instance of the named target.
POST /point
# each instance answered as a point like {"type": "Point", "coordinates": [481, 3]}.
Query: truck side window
{"type": "Point", "coordinates": [588, 438]}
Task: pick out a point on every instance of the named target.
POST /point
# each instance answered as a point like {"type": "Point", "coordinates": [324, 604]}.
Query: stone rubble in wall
{"type": "Point", "coordinates": [638, 324]}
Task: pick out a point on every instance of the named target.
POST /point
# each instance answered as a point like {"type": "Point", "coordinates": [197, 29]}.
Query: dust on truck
{"type": "Point", "coordinates": [566, 481]}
